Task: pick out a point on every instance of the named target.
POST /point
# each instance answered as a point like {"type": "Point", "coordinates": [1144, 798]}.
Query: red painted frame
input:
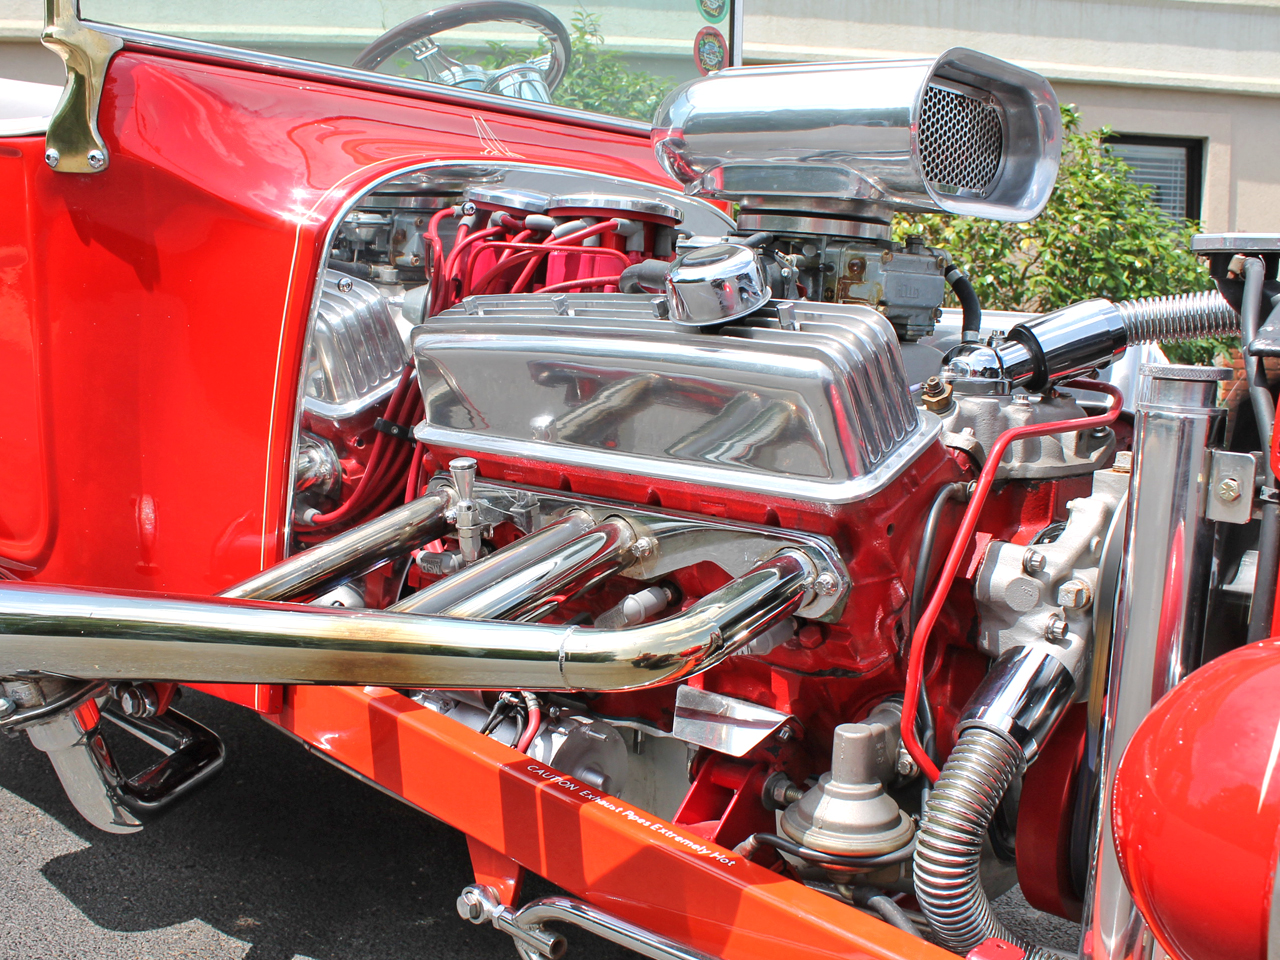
{"type": "Point", "coordinates": [153, 324]}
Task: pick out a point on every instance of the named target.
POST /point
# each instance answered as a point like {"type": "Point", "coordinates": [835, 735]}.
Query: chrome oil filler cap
{"type": "Point", "coordinates": [713, 285]}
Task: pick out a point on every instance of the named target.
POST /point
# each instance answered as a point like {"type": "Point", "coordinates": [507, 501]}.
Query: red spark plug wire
{"type": "Point", "coordinates": [987, 477]}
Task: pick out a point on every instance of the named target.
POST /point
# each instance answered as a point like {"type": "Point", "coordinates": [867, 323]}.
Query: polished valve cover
{"type": "Point", "coordinates": [803, 400]}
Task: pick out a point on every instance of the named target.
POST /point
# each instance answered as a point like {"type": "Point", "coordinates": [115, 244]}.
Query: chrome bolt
{"type": "Point", "coordinates": [827, 584]}
{"type": "Point", "coordinates": [51, 157]}
{"type": "Point", "coordinates": [1033, 561]}
{"type": "Point", "coordinates": [1124, 462]}
{"type": "Point", "coordinates": [784, 733]}
{"type": "Point", "coordinates": [470, 907]}
{"type": "Point", "coordinates": [1074, 595]}
{"type": "Point", "coordinates": [1056, 629]}
{"type": "Point", "coordinates": [644, 546]}
{"type": "Point", "coordinates": [468, 209]}
{"type": "Point", "coordinates": [139, 700]}
{"type": "Point", "coordinates": [345, 285]}
{"type": "Point", "coordinates": [97, 159]}
{"type": "Point", "coordinates": [1229, 489]}
{"type": "Point", "coordinates": [7, 707]}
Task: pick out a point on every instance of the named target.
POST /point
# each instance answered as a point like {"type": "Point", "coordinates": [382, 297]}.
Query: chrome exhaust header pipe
{"type": "Point", "coordinates": [527, 579]}
{"type": "Point", "coordinates": [353, 552]}
{"type": "Point", "coordinates": [119, 636]}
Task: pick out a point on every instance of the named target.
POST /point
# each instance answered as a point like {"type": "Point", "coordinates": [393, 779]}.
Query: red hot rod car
{"type": "Point", "coordinates": [635, 476]}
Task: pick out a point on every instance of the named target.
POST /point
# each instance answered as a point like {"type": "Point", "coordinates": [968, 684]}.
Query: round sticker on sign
{"type": "Point", "coordinates": [713, 11]}
{"type": "Point", "coordinates": [710, 52]}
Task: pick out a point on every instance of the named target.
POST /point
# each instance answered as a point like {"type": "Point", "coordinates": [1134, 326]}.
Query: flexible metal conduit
{"type": "Point", "coordinates": [82, 633]}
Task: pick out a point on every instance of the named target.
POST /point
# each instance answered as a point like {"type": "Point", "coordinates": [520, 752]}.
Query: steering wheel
{"type": "Point", "coordinates": [530, 81]}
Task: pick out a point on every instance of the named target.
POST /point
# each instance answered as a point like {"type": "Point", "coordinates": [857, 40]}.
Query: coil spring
{"type": "Point", "coordinates": [1188, 316]}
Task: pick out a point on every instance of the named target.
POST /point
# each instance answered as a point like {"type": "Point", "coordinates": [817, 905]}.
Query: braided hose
{"type": "Point", "coordinates": [1188, 316]}
{"type": "Point", "coordinates": [949, 843]}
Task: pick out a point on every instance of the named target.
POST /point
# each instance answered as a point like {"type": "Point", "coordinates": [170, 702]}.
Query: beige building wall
{"type": "Point", "coordinates": [1205, 69]}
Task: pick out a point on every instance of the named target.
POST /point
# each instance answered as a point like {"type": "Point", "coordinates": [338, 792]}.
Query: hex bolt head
{"type": "Point", "coordinates": [644, 546]}
{"type": "Point", "coordinates": [1074, 595]}
{"type": "Point", "coordinates": [906, 765]}
{"type": "Point", "coordinates": [1124, 462]}
{"type": "Point", "coordinates": [7, 707]}
{"type": "Point", "coordinates": [1056, 629]}
{"type": "Point", "coordinates": [469, 908]}
{"type": "Point", "coordinates": [827, 584]}
{"type": "Point", "coordinates": [1228, 489]}
{"type": "Point", "coordinates": [139, 700]}
{"type": "Point", "coordinates": [97, 159]}
{"type": "Point", "coordinates": [51, 157]}
{"type": "Point", "coordinates": [1033, 561]}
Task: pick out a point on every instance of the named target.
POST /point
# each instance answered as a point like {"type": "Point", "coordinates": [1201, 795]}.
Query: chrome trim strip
{"type": "Point", "coordinates": [683, 471]}
{"type": "Point", "coordinates": [455, 96]}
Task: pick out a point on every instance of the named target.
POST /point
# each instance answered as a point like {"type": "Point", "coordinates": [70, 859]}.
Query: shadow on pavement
{"type": "Point", "coordinates": [282, 851]}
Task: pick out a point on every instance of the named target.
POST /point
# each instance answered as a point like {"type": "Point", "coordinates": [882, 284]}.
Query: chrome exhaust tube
{"type": "Point", "coordinates": [80, 633]}
{"type": "Point", "coordinates": [352, 553]}
{"type": "Point", "coordinates": [496, 568]}
{"type": "Point", "coordinates": [1159, 620]}
{"type": "Point", "coordinates": [526, 581]}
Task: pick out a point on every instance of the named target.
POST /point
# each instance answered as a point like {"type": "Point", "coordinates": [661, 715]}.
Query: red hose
{"type": "Point", "coordinates": [532, 724]}
{"type": "Point", "coordinates": [920, 639]}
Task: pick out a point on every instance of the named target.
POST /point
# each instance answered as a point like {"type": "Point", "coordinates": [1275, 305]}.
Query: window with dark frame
{"type": "Point", "coordinates": [1173, 166]}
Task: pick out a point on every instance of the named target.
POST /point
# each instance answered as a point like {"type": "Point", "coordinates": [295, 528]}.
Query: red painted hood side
{"type": "Point", "coordinates": [167, 299]}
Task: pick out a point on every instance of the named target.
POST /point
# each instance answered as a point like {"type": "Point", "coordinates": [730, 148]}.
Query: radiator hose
{"type": "Point", "coordinates": [949, 843]}
{"type": "Point", "coordinates": [1003, 728]}
{"type": "Point", "coordinates": [1084, 336]}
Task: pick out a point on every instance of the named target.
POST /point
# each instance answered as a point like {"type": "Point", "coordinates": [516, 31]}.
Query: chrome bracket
{"type": "Point", "coordinates": [669, 540]}
{"type": "Point", "coordinates": [1231, 481]}
{"type": "Point", "coordinates": [533, 941]}
{"type": "Point", "coordinates": [72, 142]}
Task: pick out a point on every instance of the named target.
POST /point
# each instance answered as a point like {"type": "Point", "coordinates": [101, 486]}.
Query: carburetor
{"type": "Point", "coordinates": [838, 258]}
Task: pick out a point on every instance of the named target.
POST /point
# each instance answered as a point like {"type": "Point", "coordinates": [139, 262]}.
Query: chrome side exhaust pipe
{"type": "Point", "coordinates": [119, 636]}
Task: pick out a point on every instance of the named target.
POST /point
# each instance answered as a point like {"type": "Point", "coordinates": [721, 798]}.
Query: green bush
{"type": "Point", "coordinates": [1100, 236]}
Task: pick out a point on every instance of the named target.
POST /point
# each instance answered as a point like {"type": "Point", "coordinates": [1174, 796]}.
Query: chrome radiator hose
{"type": "Point", "coordinates": [949, 844]}
{"type": "Point", "coordinates": [1090, 334]}
{"type": "Point", "coordinates": [1003, 728]}
{"type": "Point", "coordinates": [1187, 316]}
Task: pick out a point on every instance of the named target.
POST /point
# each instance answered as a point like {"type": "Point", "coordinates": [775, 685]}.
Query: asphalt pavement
{"type": "Point", "coordinates": [282, 857]}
